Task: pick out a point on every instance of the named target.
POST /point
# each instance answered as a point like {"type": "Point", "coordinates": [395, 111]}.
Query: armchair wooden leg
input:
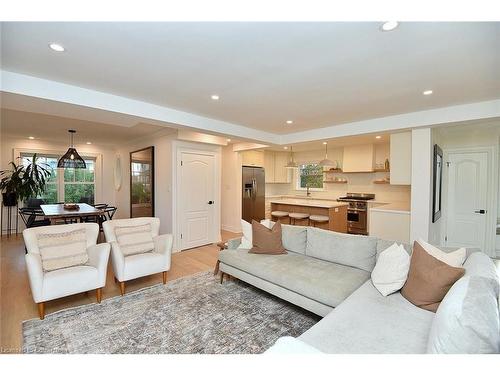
{"type": "Point", "coordinates": [221, 277]}
{"type": "Point", "coordinates": [164, 274]}
{"type": "Point", "coordinates": [98, 294]}
{"type": "Point", "coordinates": [41, 310]}
{"type": "Point", "coordinates": [122, 287]}
{"type": "Point", "coordinates": [216, 270]}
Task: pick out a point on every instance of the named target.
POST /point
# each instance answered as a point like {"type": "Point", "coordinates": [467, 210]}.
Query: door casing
{"type": "Point", "coordinates": [178, 147]}
{"type": "Point", "coordinates": [492, 193]}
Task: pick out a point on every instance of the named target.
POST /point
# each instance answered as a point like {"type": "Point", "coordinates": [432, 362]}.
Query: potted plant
{"type": "Point", "coordinates": [22, 182]}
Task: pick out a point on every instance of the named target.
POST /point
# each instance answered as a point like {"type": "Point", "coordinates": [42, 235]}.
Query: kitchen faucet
{"type": "Point", "coordinates": [308, 193]}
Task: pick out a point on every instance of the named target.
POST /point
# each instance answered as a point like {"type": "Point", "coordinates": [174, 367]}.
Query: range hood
{"type": "Point", "coordinates": [359, 158]}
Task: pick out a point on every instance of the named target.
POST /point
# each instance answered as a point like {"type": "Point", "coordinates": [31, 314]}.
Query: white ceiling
{"type": "Point", "coordinates": [55, 129]}
{"type": "Point", "coordinates": [318, 74]}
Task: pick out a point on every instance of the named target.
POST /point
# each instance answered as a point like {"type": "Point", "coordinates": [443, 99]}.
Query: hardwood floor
{"type": "Point", "coordinates": [17, 305]}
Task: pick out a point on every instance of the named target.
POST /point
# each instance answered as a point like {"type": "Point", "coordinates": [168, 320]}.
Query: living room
{"type": "Point", "coordinates": [250, 187]}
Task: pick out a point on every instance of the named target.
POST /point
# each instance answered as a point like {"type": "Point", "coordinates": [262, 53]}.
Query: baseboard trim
{"type": "Point", "coordinates": [230, 228]}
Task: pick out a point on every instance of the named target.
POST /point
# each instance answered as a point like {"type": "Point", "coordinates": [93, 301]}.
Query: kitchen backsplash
{"type": "Point", "coordinates": [357, 182]}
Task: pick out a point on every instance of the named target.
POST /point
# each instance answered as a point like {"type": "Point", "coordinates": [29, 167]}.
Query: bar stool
{"type": "Point", "coordinates": [318, 219]}
{"type": "Point", "coordinates": [279, 215]}
{"type": "Point", "coordinates": [297, 216]}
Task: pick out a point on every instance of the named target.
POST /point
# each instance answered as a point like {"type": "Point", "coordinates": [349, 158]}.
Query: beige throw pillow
{"type": "Point", "coordinates": [265, 240]}
{"type": "Point", "coordinates": [429, 279]}
{"type": "Point", "coordinates": [63, 250]}
{"type": "Point", "coordinates": [135, 239]}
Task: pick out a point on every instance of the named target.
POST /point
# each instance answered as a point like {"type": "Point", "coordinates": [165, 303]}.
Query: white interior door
{"type": "Point", "coordinates": [467, 200]}
{"type": "Point", "coordinates": [196, 199]}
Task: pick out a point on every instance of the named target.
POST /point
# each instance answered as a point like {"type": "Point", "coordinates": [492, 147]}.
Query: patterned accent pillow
{"type": "Point", "coordinates": [63, 250]}
{"type": "Point", "coordinates": [135, 239]}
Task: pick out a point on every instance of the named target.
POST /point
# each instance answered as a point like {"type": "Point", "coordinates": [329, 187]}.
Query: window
{"type": "Point", "coordinates": [310, 175]}
{"type": "Point", "coordinates": [67, 185]}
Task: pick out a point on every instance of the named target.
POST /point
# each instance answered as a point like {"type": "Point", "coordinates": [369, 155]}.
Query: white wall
{"type": "Point", "coordinates": [231, 190]}
{"type": "Point", "coordinates": [485, 134]}
{"type": "Point", "coordinates": [357, 182]}
{"type": "Point", "coordinates": [421, 180]}
{"type": "Point", "coordinates": [163, 178]}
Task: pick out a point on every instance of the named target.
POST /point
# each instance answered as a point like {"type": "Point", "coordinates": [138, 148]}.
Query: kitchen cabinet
{"type": "Point", "coordinates": [269, 166]}
{"type": "Point", "coordinates": [359, 158]}
{"type": "Point", "coordinates": [252, 158]}
{"type": "Point", "coordinates": [400, 157]}
{"type": "Point", "coordinates": [274, 164]}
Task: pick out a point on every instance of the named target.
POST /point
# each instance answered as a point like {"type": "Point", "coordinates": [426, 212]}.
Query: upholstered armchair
{"type": "Point", "coordinates": [127, 267]}
{"type": "Point", "coordinates": [62, 282]}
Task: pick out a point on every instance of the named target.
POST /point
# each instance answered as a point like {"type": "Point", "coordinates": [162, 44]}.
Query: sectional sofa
{"type": "Point", "coordinates": [328, 273]}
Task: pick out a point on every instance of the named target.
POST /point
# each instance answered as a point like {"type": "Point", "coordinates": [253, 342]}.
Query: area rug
{"type": "Point", "coordinates": [195, 314]}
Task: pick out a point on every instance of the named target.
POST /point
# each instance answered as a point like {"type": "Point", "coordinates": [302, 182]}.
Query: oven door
{"type": "Point", "coordinates": [356, 220]}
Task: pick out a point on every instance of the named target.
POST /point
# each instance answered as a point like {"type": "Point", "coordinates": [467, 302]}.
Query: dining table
{"type": "Point", "coordinates": [57, 212]}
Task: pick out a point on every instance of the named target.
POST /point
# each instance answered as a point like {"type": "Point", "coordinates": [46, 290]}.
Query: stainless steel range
{"type": "Point", "coordinates": [357, 212]}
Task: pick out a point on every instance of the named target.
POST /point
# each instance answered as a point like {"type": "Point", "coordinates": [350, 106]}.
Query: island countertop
{"type": "Point", "coordinates": [309, 202]}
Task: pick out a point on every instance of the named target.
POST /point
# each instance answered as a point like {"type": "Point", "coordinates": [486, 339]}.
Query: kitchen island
{"type": "Point", "coordinates": [336, 211]}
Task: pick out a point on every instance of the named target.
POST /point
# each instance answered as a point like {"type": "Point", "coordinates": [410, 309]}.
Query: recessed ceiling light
{"type": "Point", "coordinates": [56, 47]}
{"type": "Point", "coordinates": [30, 137]}
{"type": "Point", "coordinates": [289, 122]}
{"type": "Point", "coordinates": [378, 136]}
{"type": "Point", "coordinates": [229, 140]}
{"type": "Point", "coordinates": [324, 143]}
{"type": "Point", "coordinates": [428, 92]}
{"type": "Point", "coordinates": [215, 97]}
{"type": "Point", "coordinates": [389, 25]}
{"type": "Point", "coordinates": [286, 147]}
{"type": "Point", "coordinates": [89, 143]}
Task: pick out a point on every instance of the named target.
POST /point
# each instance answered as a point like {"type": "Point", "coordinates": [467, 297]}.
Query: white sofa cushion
{"type": "Point", "coordinates": [467, 320]}
{"type": "Point", "coordinates": [455, 258]}
{"type": "Point", "coordinates": [68, 281]}
{"type": "Point", "coordinates": [366, 322]}
{"type": "Point", "coordinates": [63, 250]}
{"type": "Point", "coordinates": [291, 345]}
{"type": "Point", "coordinates": [325, 282]}
{"type": "Point", "coordinates": [346, 249]}
{"type": "Point", "coordinates": [391, 271]}
{"type": "Point", "coordinates": [135, 239]}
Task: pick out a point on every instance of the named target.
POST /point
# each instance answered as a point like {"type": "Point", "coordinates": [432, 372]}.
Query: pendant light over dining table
{"type": "Point", "coordinates": [71, 159]}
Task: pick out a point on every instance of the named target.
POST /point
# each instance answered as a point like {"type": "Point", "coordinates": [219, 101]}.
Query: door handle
{"type": "Point", "coordinates": [211, 202]}
{"type": "Point", "coordinates": [482, 212]}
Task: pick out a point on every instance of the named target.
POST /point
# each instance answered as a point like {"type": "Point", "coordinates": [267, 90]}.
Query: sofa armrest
{"type": "Point", "coordinates": [291, 346]}
{"type": "Point", "coordinates": [233, 243]}
{"type": "Point", "coordinates": [163, 244]}
{"type": "Point", "coordinates": [35, 275]}
{"type": "Point", "coordinates": [118, 260]}
{"type": "Point", "coordinates": [98, 258]}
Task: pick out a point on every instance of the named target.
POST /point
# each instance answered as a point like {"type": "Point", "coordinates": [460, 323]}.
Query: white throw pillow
{"type": "Point", "coordinates": [63, 250]}
{"type": "Point", "coordinates": [246, 240]}
{"type": "Point", "coordinates": [454, 259]}
{"type": "Point", "coordinates": [246, 228]}
{"type": "Point", "coordinates": [391, 271]}
{"type": "Point", "coordinates": [135, 239]}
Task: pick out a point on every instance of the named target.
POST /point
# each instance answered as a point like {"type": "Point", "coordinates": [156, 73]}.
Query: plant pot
{"type": "Point", "coordinates": [9, 199]}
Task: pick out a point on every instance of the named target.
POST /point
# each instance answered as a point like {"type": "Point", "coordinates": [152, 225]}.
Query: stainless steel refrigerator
{"type": "Point", "coordinates": [253, 194]}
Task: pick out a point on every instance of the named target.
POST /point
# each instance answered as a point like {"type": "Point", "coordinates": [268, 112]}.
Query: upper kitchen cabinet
{"type": "Point", "coordinates": [274, 165]}
{"type": "Point", "coordinates": [269, 166]}
{"type": "Point", "coordinates": [359, 158]}
{"type": "Point", "coordinates": [252, 158]}
{"type": "Point", "coordinates": [401, 158]}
